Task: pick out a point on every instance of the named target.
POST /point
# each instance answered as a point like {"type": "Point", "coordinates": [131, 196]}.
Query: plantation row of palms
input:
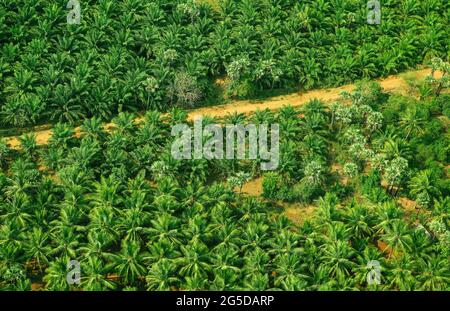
{"type": "Point", "coordinates": [132, 55]}
{"type": "Point", "coordinates": [137, 219]}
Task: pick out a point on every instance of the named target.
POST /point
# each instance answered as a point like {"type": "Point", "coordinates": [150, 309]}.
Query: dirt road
{"type": "Point", "coordinates": [395, 84]}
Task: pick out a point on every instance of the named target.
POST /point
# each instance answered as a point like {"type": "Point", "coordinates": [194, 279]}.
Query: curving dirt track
{"type": "Point", "coordinates": [394, 84]}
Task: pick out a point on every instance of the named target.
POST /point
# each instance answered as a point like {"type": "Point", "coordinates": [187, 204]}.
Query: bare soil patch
{"type": "Point", "coordinates": [298, 213]}
{"type": "Point", "coordinates": [253, 187]}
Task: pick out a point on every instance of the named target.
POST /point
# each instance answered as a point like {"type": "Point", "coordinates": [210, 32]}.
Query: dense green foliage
{"type": "Point", "coordinates": [373, 166]}
{"type": "Point", "coordinates": [132, 55]}
{"type": "Point", "coordinates": [138, 219]}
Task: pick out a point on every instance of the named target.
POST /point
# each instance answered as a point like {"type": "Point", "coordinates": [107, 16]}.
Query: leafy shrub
{"type": "Point", "coordinates": [306, 193]}
{"type": "Point", "coordinates": [371, 187]}
{"type": "Point", "coordinates": [272, 184]}
{"type": "Point", "coordinates": [341, 191]}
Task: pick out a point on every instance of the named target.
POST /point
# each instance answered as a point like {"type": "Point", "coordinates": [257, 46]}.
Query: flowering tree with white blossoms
{"type": "Point", "coordinates": [439, 83]}
{"type": "Point", "coordinates": [395, 173]}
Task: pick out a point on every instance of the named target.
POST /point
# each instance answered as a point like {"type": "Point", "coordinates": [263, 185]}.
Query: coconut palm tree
{"type": "Point", "coordinates": [162, 275]}
{"type": "Point", "coordinates": [128, 263]}
{"type": "Point", "coordinates": [401, 272]}
{"type": "Point", "coordinates": [422, 187]}
{"type": "Point", "coordinates": [412, 122]}
{"type": "Point", "coordinates": [36, 247]}
{"type": "Point", "coordinates": [359, 221]}
{"type": "Point", "coordinates": [434, 274]}
{"type": "Point", "coordinates": [397, 235]}
{"type": "Point", "coordinates": [66, 242]}
{"type": "Point", "coordinates": [194, 261]}
{"type": "Point", "coordinates": [257, 281]}
{"type": "Point", "coordinates": [56, 275]}
{"type": "Point", "coordinates": [164, 226]}
{"type": "Point", "coordinates": [28, 144]}
{"type": "Point", "coordinates": [94, 277]}
{"type": "Point", "coordinates": [337, 257]}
